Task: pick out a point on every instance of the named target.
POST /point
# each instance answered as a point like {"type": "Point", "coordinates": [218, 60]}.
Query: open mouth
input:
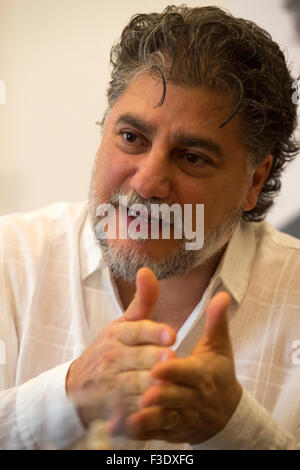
{"type": "Point", "coordinates": [132, 214]}
{"type": "Point", "coordinates": [148, 221]}
{"type": "Point", "coordinates": [158, 218]}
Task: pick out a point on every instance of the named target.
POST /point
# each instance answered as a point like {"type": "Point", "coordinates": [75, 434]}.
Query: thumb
{"type": "Point", "coordinates": [216, 332]}
{"type": "Point", "coordinates": [145, 297]}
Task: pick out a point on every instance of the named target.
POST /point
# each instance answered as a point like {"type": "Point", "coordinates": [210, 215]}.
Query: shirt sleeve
{"type": "Point", "coordinates": [250, 428]}
{"type": "Point", "coordinates": [39, 415]}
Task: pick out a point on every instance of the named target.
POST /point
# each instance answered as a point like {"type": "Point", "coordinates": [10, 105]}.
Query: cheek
{"type": "Point", "coordinates": [219, 196]}
{"type": "Point", "coordinates": [99, 180]}
{"type": "Point", "coordinates": [111, 172]}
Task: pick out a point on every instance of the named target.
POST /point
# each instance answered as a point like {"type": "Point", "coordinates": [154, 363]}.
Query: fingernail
{"type": "Point", "coordinates": [172, 421]}
{"type": "Point", "coordinates": [165, 337]}
{"type": "Point", "coordinates": [157, 381]}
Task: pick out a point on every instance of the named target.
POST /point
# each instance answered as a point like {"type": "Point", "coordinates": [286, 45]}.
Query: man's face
{"type": "Point", "coordinates": [175, 153]}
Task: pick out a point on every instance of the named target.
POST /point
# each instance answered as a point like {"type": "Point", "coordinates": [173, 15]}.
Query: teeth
{"type": "Point", "coordinates": [132, 213]}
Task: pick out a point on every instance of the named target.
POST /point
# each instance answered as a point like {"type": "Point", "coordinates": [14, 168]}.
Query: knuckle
{"type": "Point", "coordinates": [149, 330]}
{"type": "Point", "coordinates": [113, 331]}
{"type": "Point", "coordinates": [131, 404]}
{"type": "Point", "coordinates": [129, 381]}
{"type": "Point", "coordinates": [140, 358]}
{"type": "Point", "coordinates": [139, 332]}
{"type": "Point", "coordinates": [146, 324]}
{"type": "Point", "coordinates": [129, 334]}
{"type": "Point", "coordinates": [135, 382]}
{"type": "Point", "coordinates": [109, 331]}
{"type": "Point", "coordinates": [147, 356]}
{"type": "Point", "coordinates": [107, 357]}
{"type": "Point", "coordinates": [157, 395]}
{"type": "Point", "coordinates": [136, 332]}
{"type": "Point", "coordinates": [110, 356]}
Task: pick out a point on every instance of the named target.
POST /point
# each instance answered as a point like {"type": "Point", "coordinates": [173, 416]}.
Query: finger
{"type": "Point", "coordinates": [136, 382]}
{"type": "Point", "coordinates": [129, 405]}
{"type": "Point", "coordinates": [153, 419]}
{"type": "Point", "coordinates": [142, 357]}
{"type": "Point", "coordinates": [169, 396]}
{"type": "Point", "coordinates": [95, 404]}
{"type": "Point", "coordinates": [183, 371]}
{"type": "Point", "coordinates": [144, 332]}
{"type": "Point", "coordinates": [145, 297]}
{"type": "Point", "coordinates": [216, 336]}
{"type": "Point", "coordinates": [120, 397]}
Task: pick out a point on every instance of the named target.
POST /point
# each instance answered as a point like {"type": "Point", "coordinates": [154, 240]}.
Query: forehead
{"type": "Point", "coordinates": [184, 107]}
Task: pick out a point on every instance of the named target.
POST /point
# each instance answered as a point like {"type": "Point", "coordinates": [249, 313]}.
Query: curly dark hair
{"type": "Point", "coordinates": [208, 46]}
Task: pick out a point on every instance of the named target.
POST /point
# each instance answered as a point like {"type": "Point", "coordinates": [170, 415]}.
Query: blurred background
{"type": "Point", "coordinates": [54, 61]}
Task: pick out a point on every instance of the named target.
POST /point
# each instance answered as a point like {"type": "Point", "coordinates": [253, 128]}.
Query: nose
{"type": "Point", "coordinates": [152, 177]}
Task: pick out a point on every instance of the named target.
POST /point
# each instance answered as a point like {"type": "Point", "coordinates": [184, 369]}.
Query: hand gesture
{"type": "Point", "coordinates": [194, 397]}
{"type": "Point", "coordinates": [111, 375]}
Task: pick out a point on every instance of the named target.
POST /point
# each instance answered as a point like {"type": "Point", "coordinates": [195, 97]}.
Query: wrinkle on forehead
{"type": "Point", "coordinates": [214, 111]}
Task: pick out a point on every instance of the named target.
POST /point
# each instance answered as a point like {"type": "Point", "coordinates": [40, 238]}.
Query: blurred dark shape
{"type": "Point", "coordinates": [294, 7]}
{"type": "Point", "coordinates": [293, 227]}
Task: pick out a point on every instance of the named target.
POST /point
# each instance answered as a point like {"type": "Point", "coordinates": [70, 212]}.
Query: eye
{"type": "Point", "coordinates": [129, 137]}
{"type": "Point", "coordinates": [132, 142]}
{"type": "Point", "coordinates": [194, 164]}
{"type": "Point", "coordinates": [194, 159]}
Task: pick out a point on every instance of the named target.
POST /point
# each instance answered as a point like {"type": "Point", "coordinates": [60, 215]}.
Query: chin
{"type": "Point", "coordinates": [155, 249]}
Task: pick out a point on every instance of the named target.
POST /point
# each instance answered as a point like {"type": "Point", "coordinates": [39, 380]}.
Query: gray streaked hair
{"type": "Point", "coordinates": [209, 47]}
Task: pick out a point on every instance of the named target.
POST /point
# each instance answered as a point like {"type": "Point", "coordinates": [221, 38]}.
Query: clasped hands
{"type": "Point", "coordinates": [131, 377]}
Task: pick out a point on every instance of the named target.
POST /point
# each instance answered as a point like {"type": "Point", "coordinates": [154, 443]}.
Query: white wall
{"type": "Point", "coordinates": [54, 59]}
{"type": "Point", "coordinates": [270, 15]}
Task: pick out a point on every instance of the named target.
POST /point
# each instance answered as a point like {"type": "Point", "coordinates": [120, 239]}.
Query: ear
{"type": "Point", "coordinates": [257, 181]}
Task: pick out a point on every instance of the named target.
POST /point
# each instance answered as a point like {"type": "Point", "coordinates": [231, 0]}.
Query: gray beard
{"type": "Point", "coordinates": [125, 262]}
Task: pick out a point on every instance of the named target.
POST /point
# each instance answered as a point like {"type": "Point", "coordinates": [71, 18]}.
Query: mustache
{"type": "Point", "coordinates": [134, 198]}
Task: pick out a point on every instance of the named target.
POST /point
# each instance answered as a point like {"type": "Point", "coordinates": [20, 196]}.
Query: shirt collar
{"type": "Point", "coordinates": [90, 253]}
{"type": "Point", "coordinates": [233, 271]}
{"type": "Point", "coordinates": [235, 267]}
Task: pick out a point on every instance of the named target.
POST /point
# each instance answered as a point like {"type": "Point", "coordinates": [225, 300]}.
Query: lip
{"type": "Point", "coordinates": [146, 225]}
{"type": "Point", "coordinates": [141, 218]}
{"type": "Point", "coordinates": [153, 227]}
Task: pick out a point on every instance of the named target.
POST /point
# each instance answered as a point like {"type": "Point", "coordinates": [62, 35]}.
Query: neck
{"type": "Point", "coordinates": [178, 296]}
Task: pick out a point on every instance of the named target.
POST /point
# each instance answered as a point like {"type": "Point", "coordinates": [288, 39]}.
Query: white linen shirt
{"type": "Point", "coordinates": [56, 294]}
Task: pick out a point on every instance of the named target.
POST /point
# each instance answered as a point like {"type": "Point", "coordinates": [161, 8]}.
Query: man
{"type": "Point", "coordinates": [136, 331]}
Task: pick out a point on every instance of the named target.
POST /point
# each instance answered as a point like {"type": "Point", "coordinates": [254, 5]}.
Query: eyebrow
{"type": "Point", "coordinates": [190, 140]}
{"type": "Point", "coordinates": [181, 138]}
{"type": "Point", "coordinates": [138, 123]}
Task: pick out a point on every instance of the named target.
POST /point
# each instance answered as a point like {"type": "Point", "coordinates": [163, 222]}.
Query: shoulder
{"type": "Point", "coordinates": [277, 260]}
{"type": "Point", "coordinates": [29, 232]}
{"type": "Point", "coordinates": [52, 214]}
{"type": "Point", "coordinates": [276, 243]}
